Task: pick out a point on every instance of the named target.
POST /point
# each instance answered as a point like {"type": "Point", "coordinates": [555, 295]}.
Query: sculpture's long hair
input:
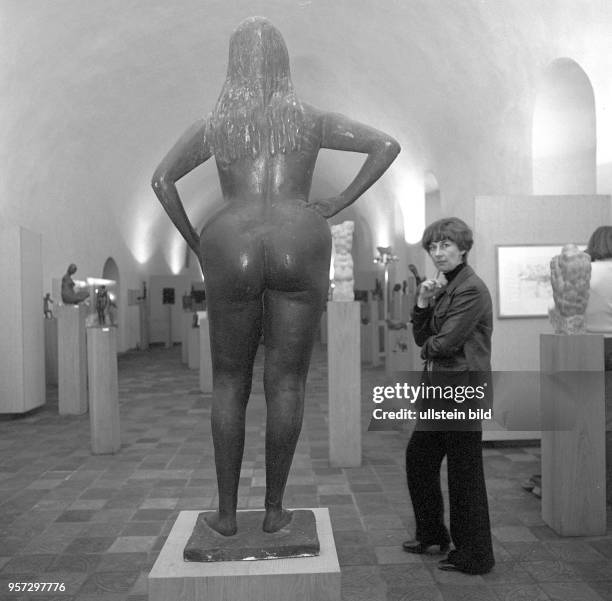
{"type": "Point", "coordinates": [257, 107]}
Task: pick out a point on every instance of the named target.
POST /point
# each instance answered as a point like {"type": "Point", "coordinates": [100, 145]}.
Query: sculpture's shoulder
{"type": "Point", "coordinates": [314, 118]}
{"type": "Point", "coordinates": [320, 119]}
{"type": "Point", "coordinates": [312, 112]}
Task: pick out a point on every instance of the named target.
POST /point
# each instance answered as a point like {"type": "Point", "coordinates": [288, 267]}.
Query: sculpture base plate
{"type": "Point", "coordinates": [297, 539]}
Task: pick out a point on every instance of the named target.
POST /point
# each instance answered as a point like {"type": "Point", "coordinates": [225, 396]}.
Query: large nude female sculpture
{"type": "Point", "coordinates": [266, 254]}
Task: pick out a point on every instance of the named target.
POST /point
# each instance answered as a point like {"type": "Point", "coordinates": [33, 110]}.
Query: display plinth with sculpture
{"type": "Point", "coordinates": [72, 345]}
{"type": "Point", "coordinates": [72, 358]}
{"type": "Point", "coordinates": [310, 578]}
{"type": "Point", "coordinates": [572, 392]}
{"type": "Point", "coordinates": [265, 254]}
{"type": "Point", "coordinates": [103, 389]}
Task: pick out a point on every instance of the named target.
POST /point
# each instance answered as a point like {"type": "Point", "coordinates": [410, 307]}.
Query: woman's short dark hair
{"type": "Point", "coordinates": [449, 228]}
{"type": "Point", "coordinates": [600, 243]}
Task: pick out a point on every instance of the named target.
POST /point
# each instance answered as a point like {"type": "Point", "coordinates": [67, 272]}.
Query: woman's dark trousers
{"type": "Point", "coordinates": [470, 529]}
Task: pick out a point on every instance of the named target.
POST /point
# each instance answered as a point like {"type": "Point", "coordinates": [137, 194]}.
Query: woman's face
{"type": "Point", "coordinates": [446, 255]}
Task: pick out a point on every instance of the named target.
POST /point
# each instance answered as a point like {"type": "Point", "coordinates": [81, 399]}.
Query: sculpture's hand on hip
{"type": "Point", "coordinates": [195, 244]}
{"type": "Point", "coordinates": [327, 207]}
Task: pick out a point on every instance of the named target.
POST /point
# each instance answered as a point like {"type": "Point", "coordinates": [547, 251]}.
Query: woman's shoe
{"type": "Point", "coordinates": [449, 567]}
{"type": "Point", "coordinates": [411, 546]}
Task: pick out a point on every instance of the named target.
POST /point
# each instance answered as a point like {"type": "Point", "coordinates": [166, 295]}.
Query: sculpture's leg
{"type": "Point", "coordinates": [290, 323]}
{"type": "Point", "coordinates": [235, 329]}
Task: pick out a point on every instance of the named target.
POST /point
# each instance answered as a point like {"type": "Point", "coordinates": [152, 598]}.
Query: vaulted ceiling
{"type": "Point", "coordinates": [94, 92]}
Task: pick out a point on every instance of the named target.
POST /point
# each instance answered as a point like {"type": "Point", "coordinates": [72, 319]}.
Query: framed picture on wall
{"type": "Point", "coordinates": [523, 279]}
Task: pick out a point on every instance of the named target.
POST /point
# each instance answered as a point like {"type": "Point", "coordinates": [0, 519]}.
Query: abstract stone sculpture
{"type": "Point", "coordinates": [70, 296]}
{"type": "Point", "coordinates": [342, 236]}
{"type": "Point", "coordinates": [570, 276]}
{"type": "Point", "coordinates": [265, 254]}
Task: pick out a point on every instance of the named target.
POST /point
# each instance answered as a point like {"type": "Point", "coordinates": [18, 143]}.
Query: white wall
{"type": "Point", "coordinates": [160, 314]}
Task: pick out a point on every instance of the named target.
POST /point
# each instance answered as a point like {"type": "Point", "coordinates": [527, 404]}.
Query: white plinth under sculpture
{"type": "Point", "coordinates": [72, 359]}
{"type": "Point", "coordinates": [573, 434]}
{"type": "Point", "coordinates": [193, 355]}
{"type": "Point", "coordinates": [344, 380]}
{"type": "Point", "coordinates": [50, 324]}
{"type": "Point", "coordinates": [205, 354]}
{"type": "Point", "coordinates": [143, 323]}
{"type": "Point", "coordinates": [186, 325]}
{"type": "Point", "coordinates": [103, 389]}
{"type": "Point", "coordinates": [304, 578]}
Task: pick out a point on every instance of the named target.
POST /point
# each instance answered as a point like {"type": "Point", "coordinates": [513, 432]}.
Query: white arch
{"type": "Point", "coordinates": [433, 200]}
{"type": "Point", "coordinates": [564, 132]}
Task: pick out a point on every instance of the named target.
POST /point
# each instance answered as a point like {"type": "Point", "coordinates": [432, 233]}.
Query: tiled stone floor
{"type": "Point", "coordinates": [97, 523]}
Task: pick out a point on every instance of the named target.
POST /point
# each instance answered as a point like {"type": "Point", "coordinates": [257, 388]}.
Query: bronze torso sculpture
{"type": "Point", "coordinates": [266, 254]}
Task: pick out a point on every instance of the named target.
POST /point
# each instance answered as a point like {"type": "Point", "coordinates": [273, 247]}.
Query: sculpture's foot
{"type": "Point", "coordinates": [276, 519]}
{"type": "Point", "coordinates": [223, 525]}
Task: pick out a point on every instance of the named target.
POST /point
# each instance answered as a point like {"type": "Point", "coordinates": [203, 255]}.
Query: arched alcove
{"type": "Point", "coordinates": [564, 132]}
{"type": "Point", "coordinates": [433, 201]}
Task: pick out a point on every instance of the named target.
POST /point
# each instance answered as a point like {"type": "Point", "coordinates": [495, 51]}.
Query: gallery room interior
{"type": "Point", "coordinates": [502, 109]}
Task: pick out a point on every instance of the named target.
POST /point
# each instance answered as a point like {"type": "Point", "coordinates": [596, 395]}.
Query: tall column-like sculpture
{"type": "Point", "coordinates": [344, 283]}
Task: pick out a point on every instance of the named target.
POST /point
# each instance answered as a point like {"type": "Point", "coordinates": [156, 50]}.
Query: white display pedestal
{"type": "Point", "coordinates": [103, 389]}
{"type": "Point", "coordinates": [301, 578]}
{"type": "Point", "coordinates": [143, 321]}
{"type": "Point", "coordinates": [374, 325]}
{"type": "Point", "coordinates": [187, 322]}
{"type": "Point", "coordinates": [399, 355]}
{"type": "Point", "coordinates": [168, 310]}
{"type": "Point", "coordinates": [206, 378]}
{"type": "Point", "coordinates": [344, 374]}
{"type": "Point", "coordinates": [22, 367]}
{"type": "Point", "coordinates": [51, 350]}
{"type": "Point", "coordinates": [193, 355]}
{"type": "Point", "coordinates": [573, 434]}
{"type": "Point", "coordinates": [72, 359]}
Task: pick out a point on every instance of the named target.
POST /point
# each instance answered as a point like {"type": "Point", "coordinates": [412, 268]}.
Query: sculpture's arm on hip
{"type": "Point", "coordinates": [341, 133]}
{"type": "Point", "coordinates": [190, 151]}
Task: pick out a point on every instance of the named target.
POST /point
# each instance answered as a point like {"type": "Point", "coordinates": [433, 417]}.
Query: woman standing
{"type": "Point", "coordinates": [598, 318]}
{"type": "Point", "coordinates": [598, 315]}
{"type": "Point", "coordinates": [452, 323]}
